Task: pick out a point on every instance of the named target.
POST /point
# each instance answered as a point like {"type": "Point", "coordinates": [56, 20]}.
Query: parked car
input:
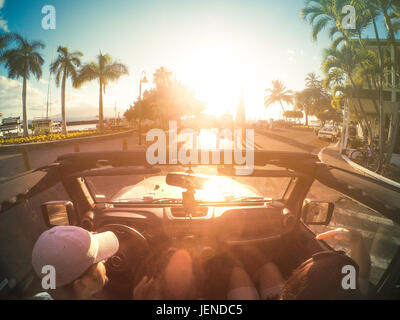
{"type": "Point", "coordinates": [331, 133]}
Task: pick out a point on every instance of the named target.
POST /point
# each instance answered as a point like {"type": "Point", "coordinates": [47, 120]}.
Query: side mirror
{"type": "Point", "coordinates": [59, 213]}
{"type": "Point", "coordinates": [317, 212]}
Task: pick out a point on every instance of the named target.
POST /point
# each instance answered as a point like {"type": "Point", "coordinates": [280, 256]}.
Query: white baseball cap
{"type": "Point", "coordinates": [71, 251]}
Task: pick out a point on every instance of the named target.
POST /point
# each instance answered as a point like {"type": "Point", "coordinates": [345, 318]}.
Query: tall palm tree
{"type": "Point", "coordinates": [346, 59]}
{"type": "Point", "coordinates": [4, 38]}
{"type": "Point", "coordinates": [312, 80]}
{"type": "Point", "coordinates": [278, 93]}
{"type": "Point", "coordinates": [162, 77]}
{"type": "Point", "coordinates": [322, 14]}
{"type": "Point", "coordinates": [63, 67]}
{"type": "Point", "coordinates": [104, 70]}
{"type": "Point", "coordinates": [21, 62]}
{"type": "Point", "coordinates": [302, 102]}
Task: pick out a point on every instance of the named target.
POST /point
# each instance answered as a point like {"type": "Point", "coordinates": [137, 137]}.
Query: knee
{"type": "Point", "coordinates": [240, 278]}
{"type": "Point", "coordinates": [270, 273]}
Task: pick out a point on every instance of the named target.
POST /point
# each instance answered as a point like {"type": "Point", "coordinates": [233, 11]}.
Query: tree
{"type": "Point", "coordinates": [305, 100]}
{"type": "Point", "coordinates": [294, 114]}
{"type": "Point", "coordinates": [322, 14]}
{"type": "Point", "coordinates": [381, 16]}
{"type": "Point", "coordinates": [162, 77]}
{"type": "Point", "coordinates": [170, 100]}
{"type": "Point", "coordinates": [278, 93]}
{"type": "Point", "coordinates": [104, 70]}
{"type": "Point", "coordinates": [302, 102]}
{"type": "Point", "coordinates": [4, 39]}
{"type": "Point", "coordinates": [312, 80]}
{"type": "Point", "coordinates": [346, 59]}
{"type": "Point", "coordinates": [21, 62]}
{"type": "Point", "coordinates": [63, 67]}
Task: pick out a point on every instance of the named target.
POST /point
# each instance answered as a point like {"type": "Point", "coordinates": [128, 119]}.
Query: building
{"type": "Point", "coordinates": [11, 127]}
{"type": "Point", "coordinates": [45, 126]}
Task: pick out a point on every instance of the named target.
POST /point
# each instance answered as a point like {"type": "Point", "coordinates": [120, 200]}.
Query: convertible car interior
{"type": "Point", "coordinates": [154, 208]}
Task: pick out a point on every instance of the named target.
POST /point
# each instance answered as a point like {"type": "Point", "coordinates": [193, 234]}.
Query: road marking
{"type": "Point", "coordinates": [7, 156]}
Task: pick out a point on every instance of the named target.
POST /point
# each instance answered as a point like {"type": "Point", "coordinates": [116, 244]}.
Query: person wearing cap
{"type": "Point", "coordinates": [77, 256]}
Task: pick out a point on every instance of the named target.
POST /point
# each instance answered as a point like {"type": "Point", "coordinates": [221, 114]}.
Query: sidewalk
{"type": "Point", "coordinates": [330, 155]}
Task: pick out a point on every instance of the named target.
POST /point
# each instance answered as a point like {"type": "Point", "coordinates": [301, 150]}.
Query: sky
{"type": "Point", "coordinates": [216, 47]}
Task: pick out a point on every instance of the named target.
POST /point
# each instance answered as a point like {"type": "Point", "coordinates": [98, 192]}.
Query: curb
{"type": "Point", "coordinates": [37, 145]}
{"type": "Point", "coordinates": [370, 173]}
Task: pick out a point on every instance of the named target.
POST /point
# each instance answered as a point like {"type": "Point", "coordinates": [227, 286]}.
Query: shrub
{"type": "Point", "coordinates": [52, 137]}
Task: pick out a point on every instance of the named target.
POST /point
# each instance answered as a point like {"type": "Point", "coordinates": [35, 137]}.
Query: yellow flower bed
{"type": "Point", "coordinates": [53, 137]}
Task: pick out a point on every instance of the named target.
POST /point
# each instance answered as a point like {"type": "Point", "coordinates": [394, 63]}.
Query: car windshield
{"type": "Point", "coordinates": [153, 188]}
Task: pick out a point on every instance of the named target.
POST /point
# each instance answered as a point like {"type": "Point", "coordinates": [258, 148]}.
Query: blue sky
{"type": "Point", "coordinates": [214, 46]}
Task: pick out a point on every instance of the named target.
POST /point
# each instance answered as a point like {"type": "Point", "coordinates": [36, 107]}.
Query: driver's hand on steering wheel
{"type": "Point", "coordinates": [147, 289]}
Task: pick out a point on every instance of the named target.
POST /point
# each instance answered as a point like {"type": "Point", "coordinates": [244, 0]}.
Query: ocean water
{"type": "Point", "coordinates": [81, 127]}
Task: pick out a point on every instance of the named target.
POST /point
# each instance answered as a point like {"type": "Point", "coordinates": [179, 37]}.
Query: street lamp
{"type": "Point", "coordinates": [143, 79]}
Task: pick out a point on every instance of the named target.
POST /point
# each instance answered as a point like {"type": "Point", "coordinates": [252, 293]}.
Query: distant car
{"type": "Point", "coordinates": [330, 133]}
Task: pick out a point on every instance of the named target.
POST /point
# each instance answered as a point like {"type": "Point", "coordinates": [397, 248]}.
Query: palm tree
{"type": "Point", "coordinates": [162, 77]}
{"type": "Point", "coordinates": [312, 80]}
{"type": "Point", "coordinates": [23, 61]}
{"type": "Point", "coordinates": [346, 60]}
{"type": "Point", "coordinates": [4, 38]}
{"type": "Point", "coordinates": [278, 93]}
{"type": "Point", "coordinates": [104, 70]}
{"type": "Point", "coordinates": [322, 14]}
{"type": "Point", "coordinates": [302, 102]}
{"type": "Point", "coordinates": [65, 66]}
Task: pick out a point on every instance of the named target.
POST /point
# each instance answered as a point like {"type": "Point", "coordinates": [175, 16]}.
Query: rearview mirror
{"type": "Point", "coordinates": [58, 213]}
{"type": "Point", "coordinates": [186, 180]}
{"type": "Point", "coordinates": [317, 212]}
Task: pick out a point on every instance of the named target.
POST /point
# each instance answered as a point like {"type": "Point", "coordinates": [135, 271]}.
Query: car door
{"type": "Point", "coordinates": [21, 223]}
{"type": "Point", "coordinates": [377, 242]}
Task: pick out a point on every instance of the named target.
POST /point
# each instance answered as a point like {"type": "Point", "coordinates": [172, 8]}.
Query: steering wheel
{"type": "Point", "coordinates": [122, 266]}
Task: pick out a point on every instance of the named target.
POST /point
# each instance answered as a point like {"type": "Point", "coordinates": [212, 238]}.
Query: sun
{"type": "Point", "coordinates": [217, 73]}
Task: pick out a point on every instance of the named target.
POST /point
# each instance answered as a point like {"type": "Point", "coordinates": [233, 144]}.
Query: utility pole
{"type": "Point", "coordinates": [143, 79]}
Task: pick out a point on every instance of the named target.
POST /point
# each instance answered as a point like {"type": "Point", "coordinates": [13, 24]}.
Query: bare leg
{"type": "Point", "coordinates": [269, 281]}
{"type": "Point", "coordinates": [241, 287]}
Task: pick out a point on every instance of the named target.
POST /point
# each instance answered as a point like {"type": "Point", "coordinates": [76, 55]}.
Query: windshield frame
{"type": "Point", "coordinates": [281, 173]}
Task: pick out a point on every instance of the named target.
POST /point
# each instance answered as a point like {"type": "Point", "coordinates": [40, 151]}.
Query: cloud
{"type": "Point", "coordinates": [11, 100]}
{"type": "Point", "coordinates": [81, 104]}
{"type": "Point", "coordinates": [3, 22]}
{"type": "Point", "coordinates": [291, 54]}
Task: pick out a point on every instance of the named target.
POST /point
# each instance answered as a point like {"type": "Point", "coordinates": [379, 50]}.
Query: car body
{"type": "Point", "coordinates": [120, 191]}
{"type": "Point", "coordinates": [329, 132]}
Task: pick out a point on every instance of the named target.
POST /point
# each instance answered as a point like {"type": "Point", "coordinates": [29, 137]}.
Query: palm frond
{"type": "Point", "coordinates": [87, 73]}
{"type": "Point", "coordinates": [319, 26]}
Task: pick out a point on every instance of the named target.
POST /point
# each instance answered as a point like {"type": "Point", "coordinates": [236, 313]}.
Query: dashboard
{"type": "Point", "coordinates": [231, 224]}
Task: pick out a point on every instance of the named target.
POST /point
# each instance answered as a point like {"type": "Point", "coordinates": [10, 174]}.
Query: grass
{"type": "Point", "coordinates": [53, 137]}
